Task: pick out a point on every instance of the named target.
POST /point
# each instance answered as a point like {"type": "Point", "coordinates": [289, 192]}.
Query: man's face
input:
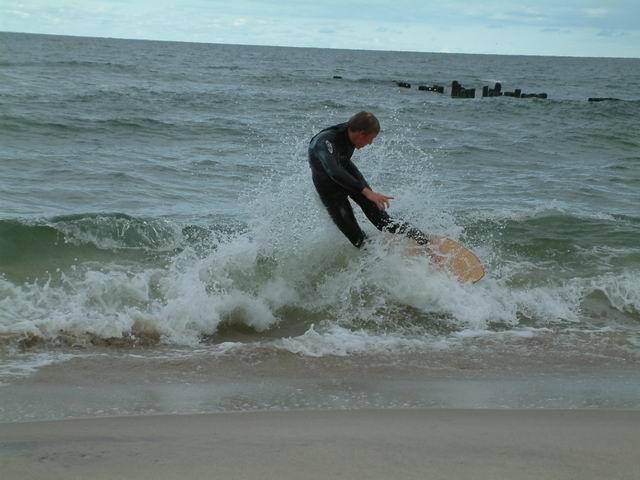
{"type": "Point", "coordinates": [361, 139]}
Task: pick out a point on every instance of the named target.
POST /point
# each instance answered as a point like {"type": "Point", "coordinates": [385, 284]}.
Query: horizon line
{"type": "Point", "coordinates": [316, 48]}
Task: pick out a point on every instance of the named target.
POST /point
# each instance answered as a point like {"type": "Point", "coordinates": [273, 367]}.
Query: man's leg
{"type": "Point", "coordinates": [342, 215]}
{"type": "Point", "coordinates": [384, 222]}
{"type": "Point", "coordinates": [336, 202]}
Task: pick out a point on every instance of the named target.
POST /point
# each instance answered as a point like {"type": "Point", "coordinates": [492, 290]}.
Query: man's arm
{"type": "Point", "coordinates": [324, 151]}
{"type": "Point", "coordinates": [382, 201]}
{"type": "Point", "coordinates": [353, 170]}
{"type": "Point", "coordinates": [351, 178]}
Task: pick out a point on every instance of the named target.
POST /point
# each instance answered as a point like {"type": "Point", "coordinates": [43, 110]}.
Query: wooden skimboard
{"type": "Point", "coordinates": [448, 255]}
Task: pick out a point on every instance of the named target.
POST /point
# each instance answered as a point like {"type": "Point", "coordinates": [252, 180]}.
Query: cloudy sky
{"type": "Point", "coordinates": [544, 27]}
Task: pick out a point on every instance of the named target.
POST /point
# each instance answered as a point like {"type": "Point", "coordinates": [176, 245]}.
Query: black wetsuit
{"type": "Point", "coordinates": [336, 178]}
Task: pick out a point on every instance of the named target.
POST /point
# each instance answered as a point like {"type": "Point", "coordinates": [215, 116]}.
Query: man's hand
{"type": "Point", "coordinates": [382, 201]}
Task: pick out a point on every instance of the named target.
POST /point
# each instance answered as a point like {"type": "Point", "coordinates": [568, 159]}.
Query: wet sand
{"type": "Point", "coordinates": [372, 444]}
{"type": "Point", "coordinates": [156, 382]}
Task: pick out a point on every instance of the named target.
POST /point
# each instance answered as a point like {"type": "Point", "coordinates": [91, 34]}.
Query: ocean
{"type": "Point", "coordinates": [163, 249]}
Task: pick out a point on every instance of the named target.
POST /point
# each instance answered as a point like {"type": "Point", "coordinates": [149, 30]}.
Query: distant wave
{"type": "Point", "coordinates": [127, 97]}
{"type": "Point", "coordinates": [26, 123]}
{"type": "Point", "coordinates": [104, 231]}
{"type": "Point", "coordinates": [223, 67]}
{"type": "Point", "coordinates": [538, 234]}
{"type": "Point", "coordinates": [375, 81]}
{"type": "Point", "coordinates": [100, 236]}
{"type": "Point", "coordinates": [72, 64]}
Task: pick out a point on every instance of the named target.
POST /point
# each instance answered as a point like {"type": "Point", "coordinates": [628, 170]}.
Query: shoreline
{"type": "Point", "coordinates": [318, 444]}
{"type": "Point", "coordinates": [33, 402]}
{"type": "Point", "coordinates": [150, 383]}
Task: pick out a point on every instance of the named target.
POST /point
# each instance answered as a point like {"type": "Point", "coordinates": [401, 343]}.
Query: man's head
{"type": "Point", "coordinates": [363, 127]}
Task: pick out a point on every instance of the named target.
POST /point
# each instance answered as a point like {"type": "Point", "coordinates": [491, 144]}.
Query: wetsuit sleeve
{"type": "Point", "coordinates": [335, 170]}
{"type": "Point", "coordinates": [353, 170]}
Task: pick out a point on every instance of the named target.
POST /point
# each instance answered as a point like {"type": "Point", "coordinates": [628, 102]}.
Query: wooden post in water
{"type": "Point", "coordinates": [455, 89]}
{"type": "Point", "coordinates": [458, 91]}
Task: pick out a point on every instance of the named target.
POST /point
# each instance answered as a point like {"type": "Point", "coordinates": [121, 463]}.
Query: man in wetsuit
{"type": "Point", "coordinates": [337, 179]}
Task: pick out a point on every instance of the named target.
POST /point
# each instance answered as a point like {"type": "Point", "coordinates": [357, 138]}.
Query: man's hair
{"type": "Point", "coordinates": [364, 122]}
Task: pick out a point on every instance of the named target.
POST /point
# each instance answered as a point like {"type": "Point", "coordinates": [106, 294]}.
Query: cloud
{"type": "Point", "coordinates": [19, 13]}
{"type": "Point", "coordinates": [597, 12]}
{"type": "Point", "coordinates": [611, 34]}
{"type": "Point", "coordinates": [239, 22]}
{"type": "Point", "coordinates": [528, 13]}
{"type": "Point", "coordinates": [544, 27]}
{"type": "Point", "coordinates": [563, 31]}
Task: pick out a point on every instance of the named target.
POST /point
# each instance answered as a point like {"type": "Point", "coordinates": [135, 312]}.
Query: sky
{"type": "Point", "coordinates": [598, 28]}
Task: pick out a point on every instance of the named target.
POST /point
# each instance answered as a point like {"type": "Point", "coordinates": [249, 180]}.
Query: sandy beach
{"type": "Point", "coordinates": [372, 444]}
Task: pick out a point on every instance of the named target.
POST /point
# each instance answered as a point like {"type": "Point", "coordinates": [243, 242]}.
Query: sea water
{"type": "Point", "coordinates": [156, 209]}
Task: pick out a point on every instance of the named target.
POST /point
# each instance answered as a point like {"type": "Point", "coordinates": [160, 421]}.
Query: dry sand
{"type": "Point", "coordinates": [358, 444]}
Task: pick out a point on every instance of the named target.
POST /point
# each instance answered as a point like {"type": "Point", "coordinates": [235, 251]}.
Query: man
{"type": "Point", "coordinates": [336, 179]}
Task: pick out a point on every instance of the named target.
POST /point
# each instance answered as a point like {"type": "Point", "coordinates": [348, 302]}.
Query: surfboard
{"type": "Point", "coordinates": [450, 256]}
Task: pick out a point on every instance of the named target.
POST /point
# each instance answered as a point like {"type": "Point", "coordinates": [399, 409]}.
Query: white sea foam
{"type": "Point", "coordinates": [240, 282]}
{"type": "Point", "coordinates": [341, 342]}
{"type": "Point", "coordinates": [195, 294]}
{"type": "Point", "coordinates": [622, 291]}
{"type": "Point", "coordinates": [119, 232]}
{"type": "Point", "coordinates": [542, 209]}
{"type": "Point", "coordinates": [25, 364]}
